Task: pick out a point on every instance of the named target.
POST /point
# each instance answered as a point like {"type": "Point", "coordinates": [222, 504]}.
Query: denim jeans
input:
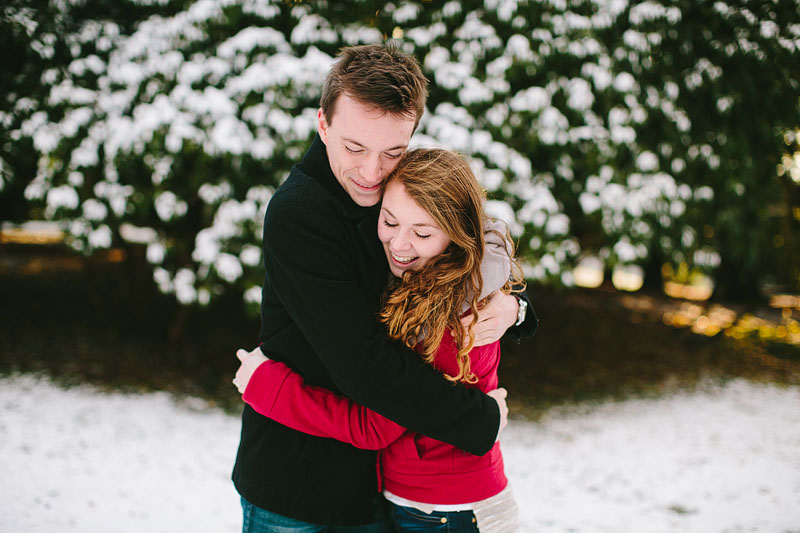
{"type": "Point", "coordinates": [258, 520]}
{"type": "Point", "coordinates": [410, 519]}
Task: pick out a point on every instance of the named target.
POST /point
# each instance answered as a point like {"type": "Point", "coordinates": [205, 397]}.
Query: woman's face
{"type": "Point", "coordinates": [410, 236]}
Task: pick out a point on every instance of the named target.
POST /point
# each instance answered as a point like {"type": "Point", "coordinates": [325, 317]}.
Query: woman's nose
{"type": "Point", "coordinates": [400, 242]}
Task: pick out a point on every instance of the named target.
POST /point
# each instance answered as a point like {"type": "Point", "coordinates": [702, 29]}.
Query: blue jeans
{"type": "Point", "coordinates": [410, 519]}
{"type": "Point", "coordinates": [258, 520]}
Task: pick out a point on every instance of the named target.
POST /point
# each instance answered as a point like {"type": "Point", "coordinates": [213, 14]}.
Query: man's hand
{"type": "Point", "coordinates": [499, 396]}
{"type": "Point", "coordinates": [499, 314]}
{"type": "Point", "coordinates": [249, 362]}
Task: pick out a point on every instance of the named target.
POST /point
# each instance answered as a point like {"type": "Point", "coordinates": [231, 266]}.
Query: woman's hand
{"type": "Point", "coordinates": [249, 361]}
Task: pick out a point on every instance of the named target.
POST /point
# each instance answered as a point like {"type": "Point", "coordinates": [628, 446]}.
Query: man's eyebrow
{"type": "Point", "coordinates": [353, 141]}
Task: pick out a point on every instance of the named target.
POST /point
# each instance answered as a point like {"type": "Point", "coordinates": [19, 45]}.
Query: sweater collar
{"type": "Point", "coordinates": [316, 165]}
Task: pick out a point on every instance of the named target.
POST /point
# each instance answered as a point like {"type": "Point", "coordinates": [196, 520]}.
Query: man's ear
{"type": "Point", "coordinates": [322, 126]}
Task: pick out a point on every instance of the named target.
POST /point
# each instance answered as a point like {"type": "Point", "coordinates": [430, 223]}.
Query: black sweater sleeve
{"type": "Point", "coordinates": [528, 326]}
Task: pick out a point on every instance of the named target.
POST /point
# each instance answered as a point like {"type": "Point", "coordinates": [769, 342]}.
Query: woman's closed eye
{"type": "Point", "coordinates": [394, 225]}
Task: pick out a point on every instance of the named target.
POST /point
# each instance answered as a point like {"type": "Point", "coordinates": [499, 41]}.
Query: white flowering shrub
{"type": "Point", "coordinates": [620, 129]}
{"type": "Point", "coordinates": [183, 128]}
{"type": "Point", "coordinates": [611, 128]}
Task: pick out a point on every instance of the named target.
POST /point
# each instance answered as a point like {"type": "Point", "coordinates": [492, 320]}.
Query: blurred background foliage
{"type": "Point", "coordinates": [660, 136]}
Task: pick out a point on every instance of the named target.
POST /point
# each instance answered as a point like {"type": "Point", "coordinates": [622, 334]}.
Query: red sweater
{"type": "Point", "coordinates": [412, 466]}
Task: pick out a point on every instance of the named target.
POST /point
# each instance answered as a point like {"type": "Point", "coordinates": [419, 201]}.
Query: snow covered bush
{"type": "Point", "coordinates": [641, 132]}
{"type": "Point", "coordinates": [182, 128]}
{"type": "Point", "coordinates": [635, 131]}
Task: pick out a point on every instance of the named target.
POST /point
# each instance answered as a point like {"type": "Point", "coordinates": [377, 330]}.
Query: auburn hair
{"type": "Point", "coordinates": [378, 76]}
{"type": "Point", "coordinates": [419, 308]}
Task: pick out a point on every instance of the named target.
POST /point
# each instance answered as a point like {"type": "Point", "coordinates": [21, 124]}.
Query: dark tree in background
{"type": "Point", "coordinates": [742, 99]}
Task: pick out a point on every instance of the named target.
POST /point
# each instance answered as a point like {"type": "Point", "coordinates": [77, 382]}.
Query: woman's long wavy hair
{"type": "Point", "coordinates": [431, 299]}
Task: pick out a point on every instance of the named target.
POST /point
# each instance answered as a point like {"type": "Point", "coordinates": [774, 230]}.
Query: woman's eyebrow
{"type": "Point", "coordinates": [417, 225]}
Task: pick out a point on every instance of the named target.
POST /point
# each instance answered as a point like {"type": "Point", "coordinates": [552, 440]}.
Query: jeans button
{"type": "Point", "coordinates": [444, 520]}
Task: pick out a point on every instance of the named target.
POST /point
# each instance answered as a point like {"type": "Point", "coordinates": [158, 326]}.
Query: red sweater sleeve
{"type": "Point", "coordinates": [279, 393]}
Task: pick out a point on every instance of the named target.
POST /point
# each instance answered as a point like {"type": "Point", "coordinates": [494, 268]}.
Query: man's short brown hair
{"type": "Point", "coordinates": [379, 76]}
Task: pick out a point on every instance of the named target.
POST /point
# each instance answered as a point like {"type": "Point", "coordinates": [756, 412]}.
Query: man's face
{"type": "Point", "coordinates": [364, 145]}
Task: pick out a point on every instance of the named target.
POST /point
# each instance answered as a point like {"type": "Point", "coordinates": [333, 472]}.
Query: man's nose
{"type": "Point", "coordinates": [371, 170]}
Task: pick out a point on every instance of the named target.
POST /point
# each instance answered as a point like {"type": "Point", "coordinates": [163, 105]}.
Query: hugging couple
{"type": "Point", "coordinates": [372, 401]}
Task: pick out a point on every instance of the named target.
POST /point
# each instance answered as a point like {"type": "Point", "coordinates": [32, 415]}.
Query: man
{"type": "Point", "coordinates": [325, 273]}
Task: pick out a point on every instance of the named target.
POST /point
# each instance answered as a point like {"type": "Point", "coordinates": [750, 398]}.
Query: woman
{"type": "Point", "coordinates": [446, 256]}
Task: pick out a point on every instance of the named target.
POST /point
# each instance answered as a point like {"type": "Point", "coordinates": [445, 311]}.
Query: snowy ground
{"type": "Point", "coordinates": [725, 459]}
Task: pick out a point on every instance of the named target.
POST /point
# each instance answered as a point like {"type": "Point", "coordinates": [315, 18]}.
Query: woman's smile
{"type": "Point", "coordinates": [402, 260]}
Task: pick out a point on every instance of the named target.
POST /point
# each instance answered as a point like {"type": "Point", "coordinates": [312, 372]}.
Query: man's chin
{"type": "Point", "coordinates": [363, 196]}
{"type": "Point", "coordinates": [366, 200]}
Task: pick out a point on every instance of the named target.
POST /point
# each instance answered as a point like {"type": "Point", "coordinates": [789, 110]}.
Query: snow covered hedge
{"type": "Point", "coordinates": [644, 133]}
